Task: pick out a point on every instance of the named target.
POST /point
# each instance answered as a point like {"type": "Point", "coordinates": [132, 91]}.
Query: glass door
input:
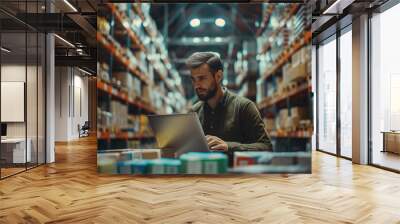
{"type": "Point", "coordinates": [385, 89]}
{"type": "Point", "coordinates": [346, 92]}
{"type": "Point", "coordinates": [327, 96]}
{"type": "Point", "coordinates": [22, 68]}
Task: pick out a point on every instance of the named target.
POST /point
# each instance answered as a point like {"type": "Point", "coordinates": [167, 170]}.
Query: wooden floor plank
{"type": "Point", "coordinates": [71, 191]}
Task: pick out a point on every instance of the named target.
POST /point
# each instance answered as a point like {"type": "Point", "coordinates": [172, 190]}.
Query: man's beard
{"type": "Point", "coordinates": [208, 94]}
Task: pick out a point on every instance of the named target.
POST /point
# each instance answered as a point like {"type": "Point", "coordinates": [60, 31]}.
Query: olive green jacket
{"type": "Point", "coordinates": [237, 121]}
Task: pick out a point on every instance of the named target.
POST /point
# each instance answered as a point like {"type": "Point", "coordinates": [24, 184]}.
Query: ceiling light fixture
{"type": "Point", "coordinates": [220, 22]}
{"type": "Point", "coordinates": [337, 7]}
{"type": "Point", "coordinates": [65, 41]}
{"type": "Point", "coordinates": [196, 40]}
{"type": "Point", "coordinates": [70, 5]}
{"type": "Point", "coordinates": [84, 71]}
{"type": "Point", "coordinates": [195, 22]}
{"type": "Point", "coordinates": [5, 50]}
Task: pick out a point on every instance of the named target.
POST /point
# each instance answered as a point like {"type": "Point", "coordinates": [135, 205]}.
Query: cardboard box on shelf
{"type": "Point", "coordinates": [144, 126]}
{"type": "Point", "coordinates": [270, 124]}
{"type": "Point", "coordinates": [146, 93]}
{"type": "Point", "coordinates": [297, 72]}
{"type": "Point", "coordinates": [260, 92]}
{"type": "Point", "coordinates": [300, 56]}
{"type": "Point", "coordinates": [125, 78]}
{"type": "Point", "coordinates": [283, 116]}
{"type": "Point", "coordinates": [104, 119]}
{"type": "Point", "coordinates": [280, 85]}
{"type": "Point", "coordinates": [103, 25]}
{"type": "Point", "coordinates": [270, 89]}
{"type": "Point", "coordinates": [285, 69]}
{"type": "Point", "coordinates": [300, 112]}
{"type": "Point", "coordinates": [120, 115]}
{"type": "Point", "coordinates": [151, 153]}
{"type": "Point", "coordinates": [103, 71]}
{"type": "Point", "coordinates": [137, 86]}
{"type": "Point", "coordinates": [249, 158]}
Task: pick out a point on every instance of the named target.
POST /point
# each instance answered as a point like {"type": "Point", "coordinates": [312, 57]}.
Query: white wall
{"type": "Point", "coordinates": [71, 93]}
{"type": "Point", "coordinates": [16, 73]}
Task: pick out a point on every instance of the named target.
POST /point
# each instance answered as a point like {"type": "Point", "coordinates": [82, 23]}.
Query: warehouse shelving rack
{"type": "Point", "coordinates": [298, 94]}
{"type": "Point", "coordinates": [115, 47]}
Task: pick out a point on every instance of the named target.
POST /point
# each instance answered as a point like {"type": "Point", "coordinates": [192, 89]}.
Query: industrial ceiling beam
{"type": "Point", "coordinates": [84, 24]}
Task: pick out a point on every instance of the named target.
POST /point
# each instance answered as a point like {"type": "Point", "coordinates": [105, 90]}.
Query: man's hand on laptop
{"type": "Point", "coordinates": [216, 144]}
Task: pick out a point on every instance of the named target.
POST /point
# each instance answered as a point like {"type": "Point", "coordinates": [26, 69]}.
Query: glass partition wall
{"type": "Point", "coordinates": [327, 95]}
{"type": "Point", "coordinates": [334, 94]}
{"type": "Point", "coordinates": [346, 95]}
{"type": "Point", "coordinates": [22, 77]}
{"type": "Point", "coordinates": [385, 89]}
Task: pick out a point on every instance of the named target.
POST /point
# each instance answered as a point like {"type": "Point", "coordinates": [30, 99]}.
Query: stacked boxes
{"type": "Point", "coordinates": [108, 156]}
{"type": "Point", "coordinates": [104, 119]}
{"type": "Point", "coordinates": [144, 126]}
{"type": "Point", "coordinates": [164, 166]}
{"type": "Point", "coordinates": [133, 167]}
{"type": "Point", "coordinates": [131, 83]}
{"type": "Point", "coordinates": [150, 153]}
{"type": "Point", "coordinates": [130, 155]}
{"type": "Point", "coordinates": [147, 94]}
{"type": "Point", "coordinates": [107, 166]}
{"type": "Point", "coordinates": [282, 119]}
{"type": "Point", "coordinates": [270, 124]}
{"type": "Point", "coordinates": [119, 113]}
{"type": "Point", "coordinates": [119, 120]}
{"type": "Point", "coordinates": [289, 158]}
{"type": "Point", "coordinates": [149, 162]}
{"type": "Point", "coordinates": [249, 158]}
{"type": "Point", "coordinates": [270, 161]}
{"type": "Point", "coordinates": [299, 70]}
{"type": "Point", "coordinates": [286, 74]}
{"type": "Point", "coordinates": [103, 70]}
{"type": "Point", "coordinates": [204, 163]}
{"type": "Point", "coordinates": [291, 120]}
{"type": "Point", "coordinates": [297, 114]}
{"type": "Point", "coordinates": [103, 26]}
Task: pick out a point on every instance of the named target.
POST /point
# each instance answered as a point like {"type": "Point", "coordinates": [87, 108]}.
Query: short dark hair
{"type": "Point", "coordinates": [212, 59]}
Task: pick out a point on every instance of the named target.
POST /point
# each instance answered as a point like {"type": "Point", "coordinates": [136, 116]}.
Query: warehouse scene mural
{"type": "Point", "coordinates": [204, 88]}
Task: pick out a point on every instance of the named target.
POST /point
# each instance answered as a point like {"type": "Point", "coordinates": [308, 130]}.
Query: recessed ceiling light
{"type": "Point", "coordinates": [70, 5]}
{"type": "Point", "coordinates": [220, 22]}
{"type": "Point", "coordinates": [65, 41]}
{"type": "Point", "coordinates": [84, 71]}
{"type": "Point", "coordinates": [5, 50]}
{"type": "Point", "coordinates": [195, 22]}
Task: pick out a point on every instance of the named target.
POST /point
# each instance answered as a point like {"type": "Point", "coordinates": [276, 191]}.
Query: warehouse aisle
{"type": "Point", "coordinates": [71, 191]}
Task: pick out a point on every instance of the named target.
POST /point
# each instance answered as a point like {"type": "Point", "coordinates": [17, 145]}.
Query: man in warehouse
{"type": "Point", "coordinates": [230, 122]}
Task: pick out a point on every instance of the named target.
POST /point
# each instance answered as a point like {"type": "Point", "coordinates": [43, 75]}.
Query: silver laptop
{"type": "Point", "coordinates": [178, 133]}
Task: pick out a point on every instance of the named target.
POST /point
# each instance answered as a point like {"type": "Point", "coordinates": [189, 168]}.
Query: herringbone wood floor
{"type": "Point", "coordinates": [70, 191]}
